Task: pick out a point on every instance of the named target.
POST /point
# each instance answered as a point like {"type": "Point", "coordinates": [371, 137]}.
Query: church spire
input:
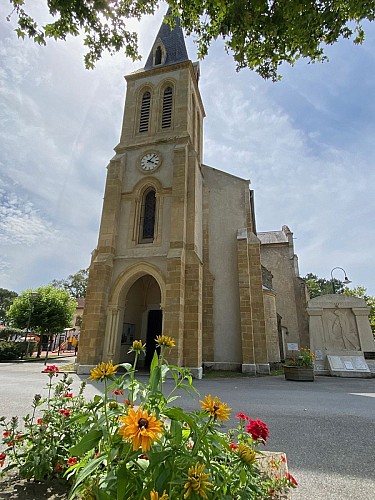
{"type": "Point", "coordinates": [169, 46]}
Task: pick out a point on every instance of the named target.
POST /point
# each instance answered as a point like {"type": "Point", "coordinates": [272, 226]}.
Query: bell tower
{"type": "Point", "coordinates": [146, 273]}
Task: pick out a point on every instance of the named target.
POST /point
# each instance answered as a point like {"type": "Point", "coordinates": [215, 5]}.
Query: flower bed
{"type": "Point", "coordinates": [135, 443]}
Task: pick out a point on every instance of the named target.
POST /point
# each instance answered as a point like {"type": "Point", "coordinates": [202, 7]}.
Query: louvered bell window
{"type": "Point", "coordinates": [166, 121]}
{"type": "Point", "coordinates": [145, 112]}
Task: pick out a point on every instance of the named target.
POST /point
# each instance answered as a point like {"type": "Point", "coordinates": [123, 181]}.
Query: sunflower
{"type": "Point", "coordinates": [154, 495]}
{"type": "Point", "coordinates": [165, 340]}
{"type": "Point", "coordinates": [140, 428]}
{"type": "Point", "coordinates": [246, 454]}
{"type": "Point", "coordinates": [102, 371]}
{"type": "Point", "coordinates": [197, 481]}
{"type": "Point", "coordinates": [215, 407]}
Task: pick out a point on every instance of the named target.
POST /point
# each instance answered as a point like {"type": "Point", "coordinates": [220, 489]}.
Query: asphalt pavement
{"type": "Point", "coordinates": [326, 427]}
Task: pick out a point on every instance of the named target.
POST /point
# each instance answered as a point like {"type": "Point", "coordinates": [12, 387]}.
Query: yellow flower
{"type": "Point", "coordinates": [165, 340]}
{"type": "Point", "coordinates": [154, 495]}
{"type": "Point", "coordinates": [102, 371]}
{"type": "Point", "coordinates": [197, 481]}
{"type": "Point", "coordinates": [246, 454]}
{"type": "Point", "coordinates": [140, 428]}
{"type": "Point", "coordinates": [138, 346]}
{"type": "Point", "coordinates": [215, 407]}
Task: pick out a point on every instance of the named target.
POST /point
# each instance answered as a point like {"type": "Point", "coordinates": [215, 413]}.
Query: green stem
{"type": "Point", "coordinates": [132, 377]}
{"type": "Point", "coordinates": [202, 433]}
{"type": "Point", "coordinates": [107, 419]}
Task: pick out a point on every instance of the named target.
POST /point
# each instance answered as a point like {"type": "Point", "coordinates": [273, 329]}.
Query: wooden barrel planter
{"type": "Point", "coordinates": [299, 373]}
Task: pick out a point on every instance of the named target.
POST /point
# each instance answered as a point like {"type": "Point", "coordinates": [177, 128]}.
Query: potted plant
{"type": "Point", "coordinates": [300, 367]}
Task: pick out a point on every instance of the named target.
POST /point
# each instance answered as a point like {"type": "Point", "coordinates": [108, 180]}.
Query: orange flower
{"type": "Point", "coordinates": [102, 371]}
{"type": "Point", "coordinates": [165, 340]}
{"type": "Point", "coordinates": [215, 407]}
{"type": "Point", "coordinates": [140, 428]}
{"type": "Point", "coordinates": [197, 481]}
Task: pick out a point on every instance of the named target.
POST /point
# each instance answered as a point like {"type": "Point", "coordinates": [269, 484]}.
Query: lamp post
{"type": "Point", "coordinates": [346, 279]}
{"type": "Point", "coordinates": [32, 296]}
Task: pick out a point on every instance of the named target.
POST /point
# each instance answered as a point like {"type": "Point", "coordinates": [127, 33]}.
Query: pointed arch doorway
{"type": "Point", "coordinates": [143, 318]}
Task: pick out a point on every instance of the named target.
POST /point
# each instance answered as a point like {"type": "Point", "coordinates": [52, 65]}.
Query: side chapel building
{"type": "Point", "coordinates": [178, 252]}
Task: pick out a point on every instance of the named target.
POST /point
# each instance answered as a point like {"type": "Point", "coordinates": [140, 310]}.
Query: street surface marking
{"type": "Point", "coordinates": [368, 394]}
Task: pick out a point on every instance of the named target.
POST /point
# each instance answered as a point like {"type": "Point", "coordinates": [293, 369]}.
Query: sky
{"type": "Point", "coordinates": [306, 143]}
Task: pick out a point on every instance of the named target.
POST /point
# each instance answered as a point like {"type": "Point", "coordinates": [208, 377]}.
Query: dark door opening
{"type": "Point", "coordinates": [154, 327]}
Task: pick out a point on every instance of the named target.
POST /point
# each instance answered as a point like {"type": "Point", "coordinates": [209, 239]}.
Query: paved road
{"type": "Point", "coordinates": [326, 427]}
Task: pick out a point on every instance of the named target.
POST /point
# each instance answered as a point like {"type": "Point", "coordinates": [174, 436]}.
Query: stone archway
{"type": "Point", "coordinates": [142, 319]}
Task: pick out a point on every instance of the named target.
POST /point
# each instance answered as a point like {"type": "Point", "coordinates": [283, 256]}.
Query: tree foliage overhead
{"type": "Point", "coordinates": [261, 34]}
{"type": "Point", "coordinates": [44, 310]}
{"type": "Point", "coordinates": [75, 284]}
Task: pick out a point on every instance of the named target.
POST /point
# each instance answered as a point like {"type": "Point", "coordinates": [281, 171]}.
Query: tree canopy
{"type": "Point", "coordinates": [260, 34]}
{"type": "Point", "coordinates": [6, 299]}
{"type": "Point", "coordinates": [75, 284]}
{"type": "Point", "coordinates": [44, 310]}
{"type": "Point", "coordinates": [321, 286]}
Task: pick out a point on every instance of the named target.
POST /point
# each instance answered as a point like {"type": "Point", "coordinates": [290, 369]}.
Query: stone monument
{"type": "Point", "coordinates": [340, 334]}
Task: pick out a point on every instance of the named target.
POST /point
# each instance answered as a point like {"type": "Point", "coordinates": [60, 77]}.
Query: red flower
{"type": "Point", "coordinates": [118, 392]}
{"type": "Point", "coordinates": [143, 456]}
{"type": "Point", "coordinates": [233, 446]}
{"type": "Point", "coordinates": [283, 458]}
{"type": "Point", "coordinates": [39, 421]}
{"type": "Point", "coordinates": [6, 434]}
{"type": "Point", "coordinates": [58, 467]}
{"type": "Point", "coordinates": [2, 458]}
{"type": "Point", "coordinates": [290, 478]}
{"type": "Point", "coordinates": [66, 413]}
{"type": "Point", "coordinates": [19, 436]}
{"type": "Point", "coordinates": [258, 430]}
{"type": "Point", "coordinates": [72, 461]}
{"type": "Point", "coordinates": [242, 416]}
{"type": "Point", "coordinates": [68, 395]}
{"type": "Point", "coordinates": [51, 369]}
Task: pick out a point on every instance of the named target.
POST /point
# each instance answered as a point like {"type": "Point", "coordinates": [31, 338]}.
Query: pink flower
{"type": "Point", "coordinates": [51, 369]}
{"type": "Point", "coordinates": [66, 413]}
{"type": "Point", "coordinates": [242, 416]}
{"type": "Point", "coordinates": [72, 461]}
{"type": "Point", "coordinates": [118, 392]}
{"type": "Point", "coordinates": [258, 430]}
{"type": "Point", "coordinates": [290, 478]}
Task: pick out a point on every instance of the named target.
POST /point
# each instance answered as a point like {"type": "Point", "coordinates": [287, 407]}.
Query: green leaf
{"type": "Point", "coordinates": [87, 471]}
{"type": "Point", "coordinates": [88, 442]}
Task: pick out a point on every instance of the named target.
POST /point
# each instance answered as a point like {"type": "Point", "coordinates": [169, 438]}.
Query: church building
{"type": "Point", "coordinates": [177, 253]}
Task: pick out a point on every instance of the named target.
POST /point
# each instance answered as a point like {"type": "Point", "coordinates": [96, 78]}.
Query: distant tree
{"type": "Point", "coordinates": [75, 284]}
{"type": "Point", "coordinates": [321, 286]}
{"type": "Point", "coordinates": [45, 310]}
{"type": "Point", "coordinates": [6, 299]}
{"type": "Point", "coordinates": [260, 34]}
{"type": "Point", "coordinates": [360, 291]}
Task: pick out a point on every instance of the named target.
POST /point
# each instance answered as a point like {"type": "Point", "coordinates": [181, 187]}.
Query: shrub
{"type": "Point", "coordinates": [10, 350]}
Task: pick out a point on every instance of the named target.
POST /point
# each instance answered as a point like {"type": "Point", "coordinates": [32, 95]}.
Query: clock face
{"type": "Point", "coordinates": [150, 161]}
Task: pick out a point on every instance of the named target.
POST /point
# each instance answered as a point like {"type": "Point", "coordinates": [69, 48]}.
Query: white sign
{"type": "Point", "coordinates": [292, 347]}
{"type": "Point", "coordinates": [319, 355]}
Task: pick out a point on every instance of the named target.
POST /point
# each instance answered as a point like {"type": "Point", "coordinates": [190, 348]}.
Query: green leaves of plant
{"type": "Point", "coordinates": [88, 442]}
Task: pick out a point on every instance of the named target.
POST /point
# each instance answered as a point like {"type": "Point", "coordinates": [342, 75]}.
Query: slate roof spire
{"type": "Point", "coordinates": [172, 45]}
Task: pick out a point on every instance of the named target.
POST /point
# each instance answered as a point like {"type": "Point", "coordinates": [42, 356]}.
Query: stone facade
{"type": "Point", "coordinates": [278, 257]}
{"type": "Point", "coordinates": [177, 251]}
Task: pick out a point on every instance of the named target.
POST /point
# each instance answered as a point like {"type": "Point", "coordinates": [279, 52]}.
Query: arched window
{"type": "Point", "coordinates": [148, 212]}
{"type": "Point", "coordinates": [166, 119]}
{"type": "Point", "coordinates": [158, 55]}
{"type": "Point", "coordinates": [144, 119]}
